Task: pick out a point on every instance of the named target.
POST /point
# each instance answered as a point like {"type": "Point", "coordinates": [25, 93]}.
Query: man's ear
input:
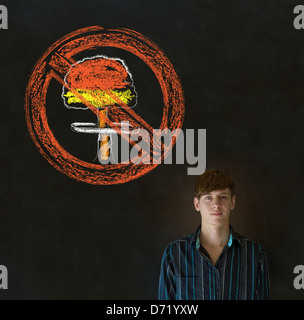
{"type": "Point", "coordinates": [232, 203]}
{"type": "Point", "coordinates": [196, 204]}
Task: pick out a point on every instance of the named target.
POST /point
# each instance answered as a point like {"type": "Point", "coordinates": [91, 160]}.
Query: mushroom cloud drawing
{"type": "Point", "coordinates": [101, 81]}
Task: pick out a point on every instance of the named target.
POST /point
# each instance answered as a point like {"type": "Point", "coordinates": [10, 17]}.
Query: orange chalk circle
{"type": "Point", "coordinates": [97, 84]}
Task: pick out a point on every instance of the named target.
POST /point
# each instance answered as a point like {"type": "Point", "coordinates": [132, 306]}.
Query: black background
{"type": "Point", "coordinates": [241, 66]}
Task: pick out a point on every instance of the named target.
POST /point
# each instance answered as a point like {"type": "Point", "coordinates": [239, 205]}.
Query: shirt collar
{"type": "Point", "coordinates": [233, 236]}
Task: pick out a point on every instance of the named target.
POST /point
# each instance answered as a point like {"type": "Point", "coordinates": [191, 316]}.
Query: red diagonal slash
{"type": "Point", "coordinates": [61, 66]}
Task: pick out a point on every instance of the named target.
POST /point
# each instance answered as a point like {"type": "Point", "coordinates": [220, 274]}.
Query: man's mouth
{"type": "Point", "coordinates": [216, 213]}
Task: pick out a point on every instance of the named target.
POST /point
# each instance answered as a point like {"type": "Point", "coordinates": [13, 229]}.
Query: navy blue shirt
{"type": "Point", "coordinates": [240, 273]}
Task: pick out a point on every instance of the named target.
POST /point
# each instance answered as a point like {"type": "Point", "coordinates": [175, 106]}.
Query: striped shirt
{"type": "Point", "coordinates": [240, 273]}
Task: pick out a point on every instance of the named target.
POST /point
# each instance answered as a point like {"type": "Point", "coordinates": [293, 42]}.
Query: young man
{"type": "Point", "coordinates": [215, 262]}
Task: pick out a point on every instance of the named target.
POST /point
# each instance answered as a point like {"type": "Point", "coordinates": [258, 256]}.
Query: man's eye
{"type": "Point", "coordinates": [224, 197]}
{"type": "Point", "coordinates": [208, 198]}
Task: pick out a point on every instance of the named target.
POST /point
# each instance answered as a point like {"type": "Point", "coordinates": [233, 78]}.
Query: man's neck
{"type": "Point", "coordinates": [214, 236]}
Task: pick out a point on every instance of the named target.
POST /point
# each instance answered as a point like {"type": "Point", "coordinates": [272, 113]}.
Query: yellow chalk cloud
{"type": "Point", "coordinates": [99, 98]}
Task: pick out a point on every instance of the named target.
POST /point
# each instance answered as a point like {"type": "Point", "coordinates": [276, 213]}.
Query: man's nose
{"type": "Point", "coordinates": [216, 203]}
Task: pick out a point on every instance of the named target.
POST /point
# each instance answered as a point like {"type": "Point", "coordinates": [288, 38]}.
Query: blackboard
{"type": "Point", "coordinates": [241, 67]}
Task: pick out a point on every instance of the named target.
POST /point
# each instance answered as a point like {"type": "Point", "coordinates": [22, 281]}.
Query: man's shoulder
{"type": "Point", "coordinates": [180, 244]}
{"type": "Point", "coordinates": [249, 244]}
{"type": "Point", "coordinates": [185, 240]}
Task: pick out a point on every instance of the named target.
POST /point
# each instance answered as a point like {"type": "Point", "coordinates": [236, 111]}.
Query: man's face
{"type": "Point", "coordinates": [215, 207]}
